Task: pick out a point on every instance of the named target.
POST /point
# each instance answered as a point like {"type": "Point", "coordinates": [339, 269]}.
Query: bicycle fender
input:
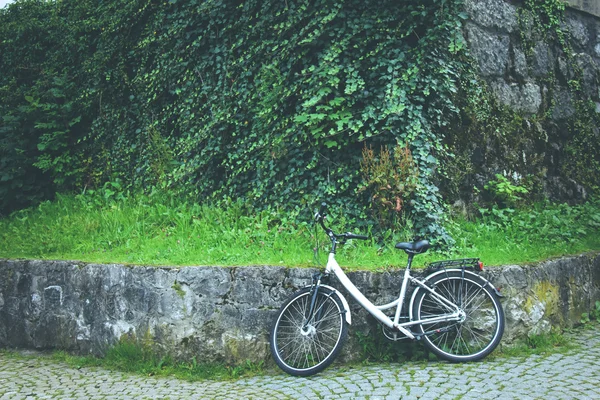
{"type": "Point", "coordinates": [486, 282]}
{"type": "Point", "coordinates": [344, 302]}
{"type": "Point", "coordinates": [416, 291]}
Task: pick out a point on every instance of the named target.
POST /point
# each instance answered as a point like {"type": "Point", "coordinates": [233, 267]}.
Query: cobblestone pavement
{"type": "Point", "coordinates": [573, 375]}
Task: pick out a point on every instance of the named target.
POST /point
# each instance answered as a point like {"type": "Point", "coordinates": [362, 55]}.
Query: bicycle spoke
{"type": "Point", "coordinates": [469, 339]}
{"type": "Point", "coordinates": [301, 345]}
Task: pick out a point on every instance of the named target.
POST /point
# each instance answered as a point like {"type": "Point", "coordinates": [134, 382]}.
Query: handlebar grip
{"type": "Point", "coordinates": [323, 209]}
{"type": "Point", "coordinates": [353, 236]}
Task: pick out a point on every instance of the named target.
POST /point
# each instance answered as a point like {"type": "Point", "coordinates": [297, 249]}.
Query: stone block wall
{"type": "Point", "coordinates": [224, 314]}
{"type": "Point", "coordinates": [534, 83]}
{"type": "Point", "coordinates": [588, 6]}
{"type": "Point", "coordinates": [495, 35]}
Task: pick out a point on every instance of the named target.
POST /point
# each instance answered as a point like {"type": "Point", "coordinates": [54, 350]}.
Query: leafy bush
{"type": "Point", "coordinates": [544, 224]}
{"type": "Point", "coordinates": [391, 180]}
{"type": "Point", "coordinates": [505, 192]}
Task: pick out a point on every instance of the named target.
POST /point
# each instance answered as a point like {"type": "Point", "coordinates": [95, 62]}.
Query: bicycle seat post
{"type": "Point", "coordinates": [410, 259]}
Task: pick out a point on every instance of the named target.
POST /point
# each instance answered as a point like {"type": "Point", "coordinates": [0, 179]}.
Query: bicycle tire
{"type": "Point", "coordinates": [471, 339]}
{"type": "Point", "coordinates": [306, 351]}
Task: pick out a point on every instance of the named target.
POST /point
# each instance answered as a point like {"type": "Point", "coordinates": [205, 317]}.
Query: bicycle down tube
{"type": "Point", "coordinates": [333, 267]}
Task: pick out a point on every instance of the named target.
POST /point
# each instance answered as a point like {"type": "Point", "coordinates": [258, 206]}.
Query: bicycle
{"type": "Point", "coordinates": [455, 311]}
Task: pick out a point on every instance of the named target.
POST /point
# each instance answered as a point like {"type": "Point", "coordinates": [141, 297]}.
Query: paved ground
{"type": "Point", "coordinates": [575, 375]}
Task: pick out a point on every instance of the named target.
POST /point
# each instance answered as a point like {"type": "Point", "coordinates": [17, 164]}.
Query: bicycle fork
{"type": "Point", "coordinates": [315, 311]}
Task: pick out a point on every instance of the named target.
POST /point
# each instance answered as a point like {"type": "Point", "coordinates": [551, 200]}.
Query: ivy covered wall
{"type": "Point", "coordinates": [275, 101]}
{"type": "Point", "coordinates": [537, 119]}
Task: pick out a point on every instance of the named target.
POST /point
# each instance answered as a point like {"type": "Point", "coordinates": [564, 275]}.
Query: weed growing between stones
{"type": "Point", "coordinates": [542, 344]}
{"type": "Point", "coordinates": [376, 348]}
{"type": "Point", "coordinates": [129, 356]}
{"type": "Point", "coordinates": [178, 289]}
{"type": "Point", "coordinates": [593, 315]}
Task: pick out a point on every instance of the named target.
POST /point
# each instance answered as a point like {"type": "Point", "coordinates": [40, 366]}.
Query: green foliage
{"type": "Point", "coordinates": [505, 192]}
{"type": "Point", "coordinates": [110, 225]}
{"type": "Point", "coordinates": [390, 180]}
{"type": "Point", "coordinates": [506, 235]}
{"type": "Point", "coordinates": [546, 222]}
{"type": "Point", "coordinates": [546, 343]}
{"type": "Point", "coordinates": [545, 18]}
{"type": "Point", "coordinates": [270, 101]}
{"type": "Point", "coordinates": [131, 355]}
{"type": "Point", "coordinates": [593, 315]}
{"type": "Point", "coordinates": [41, 105]}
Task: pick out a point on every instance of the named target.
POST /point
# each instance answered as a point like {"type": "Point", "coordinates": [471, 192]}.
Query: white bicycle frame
{"type": "Point", "coordinates": [454, 312]}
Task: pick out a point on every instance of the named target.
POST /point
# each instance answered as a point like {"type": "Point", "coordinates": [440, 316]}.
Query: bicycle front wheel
{"type": "Point", "coordinates": [303, 347]}
{"type": "Point", "coordinates": [480, 328]}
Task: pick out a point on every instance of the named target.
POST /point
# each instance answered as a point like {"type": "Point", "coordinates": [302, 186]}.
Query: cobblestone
{"type": "Point", "coordinates": [574, 375]}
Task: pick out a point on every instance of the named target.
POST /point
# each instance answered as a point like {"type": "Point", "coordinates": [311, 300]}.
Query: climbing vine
{"type": "Point", "coordinates": [273, 102]}
{"type": "Point", "coordinates": [267, 100]}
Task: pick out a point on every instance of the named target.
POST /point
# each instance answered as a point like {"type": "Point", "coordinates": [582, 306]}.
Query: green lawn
{"type": "Point", "coordinates": [158, 230]}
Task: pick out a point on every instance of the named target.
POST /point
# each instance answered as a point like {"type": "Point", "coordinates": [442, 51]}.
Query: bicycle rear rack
{"type": "Point", "coordinates": [472, 264]}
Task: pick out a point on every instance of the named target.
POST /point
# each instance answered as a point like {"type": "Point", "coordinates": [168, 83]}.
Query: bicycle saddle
{"type": "Point", "coordinates": [414, 247]}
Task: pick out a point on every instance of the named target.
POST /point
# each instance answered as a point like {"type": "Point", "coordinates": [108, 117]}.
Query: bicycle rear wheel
{"type": "Point", "coordinates": [302, 347]}
{"type": "Point", "coordinates": [479, 331]}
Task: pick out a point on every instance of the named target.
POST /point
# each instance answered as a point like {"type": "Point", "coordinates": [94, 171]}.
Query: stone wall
{"type": "Point", "coordinates": [588, 6]}
{"type": "Point", "coordinates": [224, 314]}
{"type": "Point", "coordinates": [531, 75]}
{"type": "Point", "coordinates": [495, 37]}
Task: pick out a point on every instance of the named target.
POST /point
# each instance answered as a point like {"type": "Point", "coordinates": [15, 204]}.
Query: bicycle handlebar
{"type": "Point", "coordinates": [353, 236]}
{"type": "Point", "coordinates": [323, 210]}
{"type": "Point", "coordinates": [320, 216]}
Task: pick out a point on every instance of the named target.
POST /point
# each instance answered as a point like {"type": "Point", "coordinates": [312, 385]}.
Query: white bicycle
{"type": "Point", "coordinates": [456, 312]}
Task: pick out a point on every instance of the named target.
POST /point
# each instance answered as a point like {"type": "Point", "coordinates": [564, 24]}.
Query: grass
{"type": "Point", "coordinates": [543, 344]}
{"type": "Point", "coordinates": [375, 348]}
{"type": "Point", "coordinates": [518, 236]}
{"type": "Point", "coordinates": [131, 357]}
{"type": "Point", "coordinates": [160, 230]}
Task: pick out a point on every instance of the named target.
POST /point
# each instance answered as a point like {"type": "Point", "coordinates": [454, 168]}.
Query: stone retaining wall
{"type": "Point", "coordinates": [520, 80]}
{"type": "Point", "coordinates": [588, 6]}
{"type": "Point", "coordinates": [223, 314]}
{"type": "Point", "coordinates": [531, 76]}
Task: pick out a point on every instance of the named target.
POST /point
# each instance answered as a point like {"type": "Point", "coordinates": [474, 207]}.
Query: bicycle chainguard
{"type": "Point", "coordinates": [418, 336]}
